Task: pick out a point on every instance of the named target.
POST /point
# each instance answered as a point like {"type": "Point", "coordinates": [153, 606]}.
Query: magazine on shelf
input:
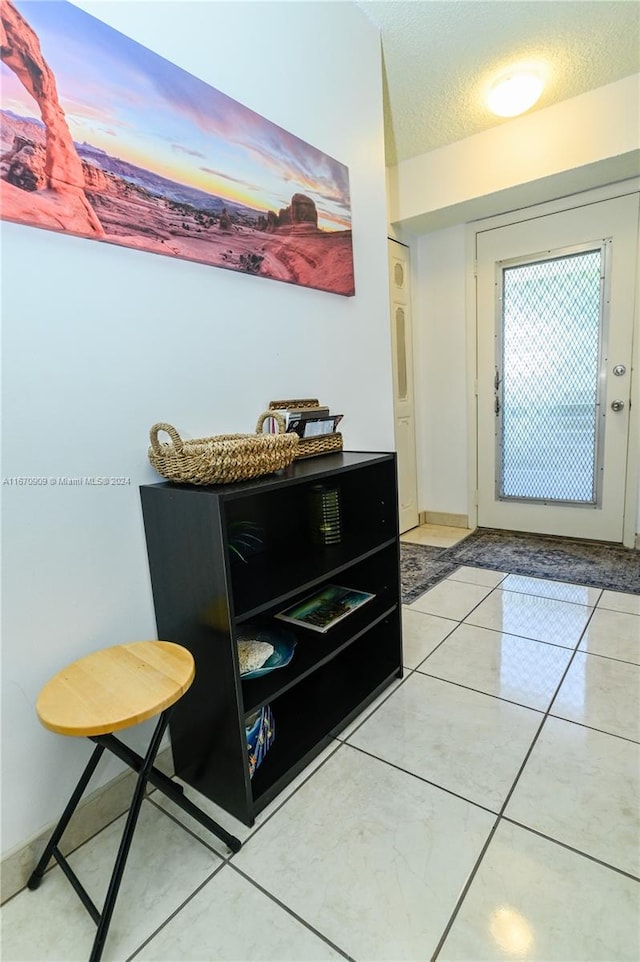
{"type": "Point", "coordinates": [324, 609]}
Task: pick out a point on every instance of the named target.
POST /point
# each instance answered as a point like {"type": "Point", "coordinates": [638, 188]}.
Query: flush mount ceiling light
{"type": "Point", "coordinates": [514, 92]}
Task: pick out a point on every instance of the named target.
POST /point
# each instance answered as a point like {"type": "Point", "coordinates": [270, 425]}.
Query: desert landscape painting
{"type": "Point", "coordinates": [102, 138]}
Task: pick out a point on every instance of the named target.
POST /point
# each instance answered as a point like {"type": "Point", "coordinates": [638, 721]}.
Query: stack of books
{"type": "Point", "coordinates": [308, 422]}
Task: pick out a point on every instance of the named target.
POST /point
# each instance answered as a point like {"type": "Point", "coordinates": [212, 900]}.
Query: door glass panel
{"type": "Point", "coordinates": [401, 352]}
{"type": "Point", "coordinates": [548, 378]}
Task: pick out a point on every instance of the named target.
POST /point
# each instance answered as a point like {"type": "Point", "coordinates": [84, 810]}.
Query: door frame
{"type": "Point", "coordinates": [631, 522]}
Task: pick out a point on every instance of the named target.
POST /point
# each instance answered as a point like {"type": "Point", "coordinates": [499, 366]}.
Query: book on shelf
{"type": "Point", "coordinates": [313, 427]}
{"type": "Point", "coordinates": [297, 414]}
{"type": "Point", "coordinates": [325, 608]}
{"type": "Point", "coordinates": [306, 422]}
{"type": "Point", "coordinates": [304, 413]}
{"type": "Point", "coordinates": [301, 414]}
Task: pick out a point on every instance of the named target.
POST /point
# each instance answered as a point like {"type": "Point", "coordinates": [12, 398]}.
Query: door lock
{"type": "Point", "coordinates": [619, 370]}
{"type": "Point", "coordinates": [617, 405]}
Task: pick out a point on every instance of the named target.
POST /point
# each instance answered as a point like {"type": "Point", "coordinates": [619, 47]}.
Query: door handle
{"type": "Point", "coordinates": [617, 405]}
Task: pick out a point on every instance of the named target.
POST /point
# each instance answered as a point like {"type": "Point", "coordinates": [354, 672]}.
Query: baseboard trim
{"type": "Point", "coordinates": [444, 518]}
{"type": "Point", "coordinates": [93, 814]}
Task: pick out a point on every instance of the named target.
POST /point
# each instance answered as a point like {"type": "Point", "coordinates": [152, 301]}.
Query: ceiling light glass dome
{"type": "Point", "coordinates": [514, 93]}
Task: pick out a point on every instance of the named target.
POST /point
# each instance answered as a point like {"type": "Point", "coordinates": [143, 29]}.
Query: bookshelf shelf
{"type": "Point", "coordinates": [225, 557]}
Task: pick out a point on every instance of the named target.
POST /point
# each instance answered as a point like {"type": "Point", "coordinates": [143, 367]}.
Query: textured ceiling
{"type": "Point", "coordinates": [439, 57]}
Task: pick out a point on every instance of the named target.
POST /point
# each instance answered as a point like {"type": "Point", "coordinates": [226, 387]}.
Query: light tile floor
{"type": "Point", "coordinates": [436, 535]}
{"type": "Point", "coordinates": [484, 807]}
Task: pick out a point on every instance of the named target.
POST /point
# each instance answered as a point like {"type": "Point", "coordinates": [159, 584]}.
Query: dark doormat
{"type": "Point", "coordinates": [421, 567]}
{"type": "Point", "coordinates": [536, 556]}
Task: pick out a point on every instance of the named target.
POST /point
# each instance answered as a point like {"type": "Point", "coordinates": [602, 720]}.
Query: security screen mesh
{"type": "Point", "coordinates": [549, 370]}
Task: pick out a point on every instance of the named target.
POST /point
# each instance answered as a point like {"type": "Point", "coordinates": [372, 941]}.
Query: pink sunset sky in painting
{"type": "Point", "coordinates": [122, 98]}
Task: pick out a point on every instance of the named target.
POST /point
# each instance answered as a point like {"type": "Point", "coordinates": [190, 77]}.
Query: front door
{"type": "Point", "coordinates": [555, 302]}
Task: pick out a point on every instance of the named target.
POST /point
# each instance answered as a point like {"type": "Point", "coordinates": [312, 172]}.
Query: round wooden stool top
{"type": "Point", "coordinates": [115, 688]}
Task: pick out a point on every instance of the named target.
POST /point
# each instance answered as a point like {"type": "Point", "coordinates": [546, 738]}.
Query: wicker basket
{"type": "Point", "coordinates": [324, 444]}
{"type": "Point", "coordinates": [308, 447]}
{"type": "Point", "coordinates": [227, 457]}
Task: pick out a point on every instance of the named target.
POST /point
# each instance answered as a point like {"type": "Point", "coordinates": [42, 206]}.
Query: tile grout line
{"type": "Point", "coordinates": [406, 674]}
{"type": "Point", "coordinates": [511, 634]}
{"type": "Point", "coordinates": [292, 913]}
{"type": "Point", "coordinates": [439, 645]}
{"type": "Point", "coordinates": [518, 704]}
{"type": "Point", "coordinates": [566, 601]}
{"type": "Point", "coordinates": [478, 691]}
{"type": "Point", "coordinates": [420, 778]}
{"type": "Point", "coordinates": [544, 712]}
{"type": "Point", "coordinates": [189, 831]}
{"type": "Point", "coordinates": [476, 867]}
{"type": "Point", "coordinates": [472, 609]}
{"type": "Point", "coordinates": [592, 728]}
{"type": "Point", "coordinates": [284, 801]}
{"type": "Point", "coordinates": [458, 623]}
{"type": "Point", "coordinates": [571, 848]}
{"type": "Point", "coordinates": [597, 604]}
{"type": "Point", "coordinates": [553, 644]}
{"type": "Point", "coordinates": [226, 860]}
{"type": "Point", "coordinates": [254, 830]}
{"type": "Point", "coordinates": [620, 661]}
{"type": "Point", "coordinates": [53, 864]}
{"type": "Point", "coordinates": [175, 912]}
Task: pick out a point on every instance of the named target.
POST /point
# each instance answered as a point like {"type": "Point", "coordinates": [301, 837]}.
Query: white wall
{"type": "Point", "coordinates": [100, 342]}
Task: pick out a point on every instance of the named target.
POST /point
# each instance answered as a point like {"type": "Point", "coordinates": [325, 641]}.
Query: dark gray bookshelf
{"type": "Point", "coordinates": [204, 593]}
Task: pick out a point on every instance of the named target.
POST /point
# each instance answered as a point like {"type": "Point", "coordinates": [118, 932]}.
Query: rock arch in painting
{"type": "Point", "coordinates": [62, 169]}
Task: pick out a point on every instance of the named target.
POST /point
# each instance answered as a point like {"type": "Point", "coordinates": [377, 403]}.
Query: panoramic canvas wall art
{"type": "Point", "coordinates": [102, 138]}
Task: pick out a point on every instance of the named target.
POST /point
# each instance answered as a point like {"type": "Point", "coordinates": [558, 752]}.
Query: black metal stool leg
{"type": "Point", "coordinates": [127, 838]}
{"type": "Point", "coordinates": [169, 788]}
{"type": "Point", "coordinates": [146, 774]}
{"type": "Point", "coordinates": [36, 876]}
